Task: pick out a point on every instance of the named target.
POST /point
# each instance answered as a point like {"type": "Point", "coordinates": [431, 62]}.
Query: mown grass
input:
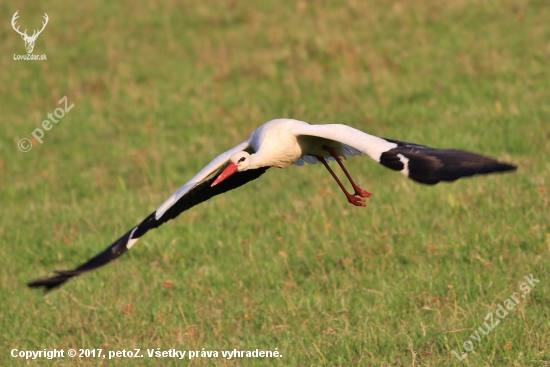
{"type": "Point", "coordinates": [160, 88]}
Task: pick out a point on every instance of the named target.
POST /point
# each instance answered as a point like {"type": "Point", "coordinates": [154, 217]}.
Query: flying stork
{"type": "Point", "coordinates": [281, 143]}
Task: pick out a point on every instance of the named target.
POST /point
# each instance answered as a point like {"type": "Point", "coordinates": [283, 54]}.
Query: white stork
{"type": "Point", "coordinates": [280, 143]}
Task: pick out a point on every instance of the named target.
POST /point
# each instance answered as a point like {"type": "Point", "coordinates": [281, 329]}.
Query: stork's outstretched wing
{"type": "Point", "coordinates": [196, 191]}
{"type": "Point", "coordinates": [420, 163]}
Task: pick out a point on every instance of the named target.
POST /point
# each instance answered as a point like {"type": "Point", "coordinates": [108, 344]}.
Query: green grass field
{"type": "Point", "coordinates": [161, 87]}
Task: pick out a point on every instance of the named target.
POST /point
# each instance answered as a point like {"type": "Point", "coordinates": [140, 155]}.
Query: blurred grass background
{"type": "Point", "coordinates": [161, 87]}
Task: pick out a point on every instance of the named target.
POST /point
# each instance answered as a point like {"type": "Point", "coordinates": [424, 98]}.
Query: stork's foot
{"type": "Point", "coordinates": [357, 201]}
{"type": "Point", "coordinates": [357, 190]}
{"type": "Point", "coordinates": [360, 192]}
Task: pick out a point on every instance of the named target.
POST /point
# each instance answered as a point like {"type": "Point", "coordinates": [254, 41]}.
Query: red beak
{"type": "Point", "coordinates": [228, 171]}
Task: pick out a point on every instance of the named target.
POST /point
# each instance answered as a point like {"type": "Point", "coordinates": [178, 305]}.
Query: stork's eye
{"type": "Point", "coordinates": [242, 159]}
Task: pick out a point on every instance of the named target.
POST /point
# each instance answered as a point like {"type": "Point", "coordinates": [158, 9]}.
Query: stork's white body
{"type": "Point", "coordinates": [282, 142]}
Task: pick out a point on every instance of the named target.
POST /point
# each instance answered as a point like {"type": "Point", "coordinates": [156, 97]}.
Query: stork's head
{"type": "Point", "coordinates": [238, 162]}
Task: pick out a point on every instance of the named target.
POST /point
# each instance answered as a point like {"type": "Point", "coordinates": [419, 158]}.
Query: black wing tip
{"type": "Point", "coordinates": [430, 166]}
{"type": "Point", "coordinates": [103, 258]}
{"type": "Point", "coordinates": [56, 281]}
{"type": "Point", "coordinates": [505, 167]}
{"type": "Point", "coordinates": [49, 283]}
{"type": "Point", "coordinates": [496, 167]}
{"type": "Point", "coordinates": [447, 174]}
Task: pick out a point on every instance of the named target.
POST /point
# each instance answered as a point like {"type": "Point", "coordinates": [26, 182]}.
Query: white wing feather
{"type": "Point", "coordinates": [205, 174]}
{"type": "Point", "coordinates": [354, 141]}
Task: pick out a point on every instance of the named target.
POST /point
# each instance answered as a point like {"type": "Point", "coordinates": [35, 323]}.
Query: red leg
{"type": "Point", "coordinates": [352, 199]}
{"type": "Point", "coordinates": [358, 190]}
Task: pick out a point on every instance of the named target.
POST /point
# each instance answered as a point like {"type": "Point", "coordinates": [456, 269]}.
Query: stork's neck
{"type": "Point", "coordinates": [258, 160]}
{"type": "Point", "coordinates": [279, 158]}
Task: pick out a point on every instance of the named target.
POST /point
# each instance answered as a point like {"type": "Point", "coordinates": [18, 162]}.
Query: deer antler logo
{"type": "Point", "coordinates": [29, 40]}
